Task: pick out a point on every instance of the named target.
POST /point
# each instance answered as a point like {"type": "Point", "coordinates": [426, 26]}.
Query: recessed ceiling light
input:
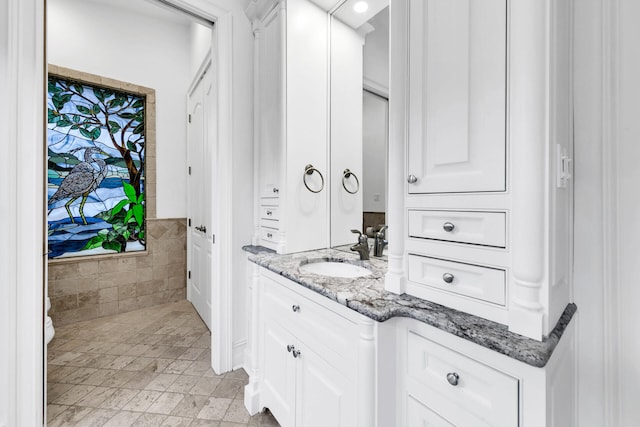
{"type": "Point", "coordinates": [361, 6]}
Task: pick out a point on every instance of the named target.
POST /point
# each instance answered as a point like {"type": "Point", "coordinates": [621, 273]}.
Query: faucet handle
{"type": "Point", "coordinates": [358, 232]}
{"type": "Point", "coordinates": [362, 238]}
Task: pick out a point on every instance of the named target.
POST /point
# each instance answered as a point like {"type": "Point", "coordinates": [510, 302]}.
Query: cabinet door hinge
{"type": "Point", "coordinates": [189, 274]}
{"type": "Point", "coordinates": [189, 222]}
{"type": "Point", "coordinates": [213, 238]}
{"type": "Point", "coordinates": [189, 170]}
{"type": "Point", "coordinates": [189, 118]}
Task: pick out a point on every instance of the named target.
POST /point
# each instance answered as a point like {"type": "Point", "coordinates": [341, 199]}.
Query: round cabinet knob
{"type": "Point", "coordinates": [269, 235]}
{"type": "Point", "coordinates": [448, 227]}
{"type": "Point", "coordinates": [276, 190]}
{"type": "Point", "coordinates": [447, 277]}
{"type": "Point", "coordinates": [295, 308]}
{"type": "Point", "coordinates": [296, 353]}
{"type": "Point", "coordinates": [453, 378]}
{"type": "Point", "coordinates": [269, 213]}
{"type": "Point", "coordinates": [290, 348]}
{"type": "Point", "coordinates": [412, 179]}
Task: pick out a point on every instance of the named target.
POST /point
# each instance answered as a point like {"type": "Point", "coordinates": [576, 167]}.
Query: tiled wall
{"type": "Point", "coordinates": [93, 287]}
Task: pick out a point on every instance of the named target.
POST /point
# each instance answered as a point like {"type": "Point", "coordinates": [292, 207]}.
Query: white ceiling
{"type": "Point", "coordinates": [354, 19]}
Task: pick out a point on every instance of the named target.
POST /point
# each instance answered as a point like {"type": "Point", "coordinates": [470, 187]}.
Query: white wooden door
{"type": "Point", "coordinates": [199, 200]}
{"type": "Point", "coordinates": [420, 415]}
{"type": "Point", "coordinates": [325, 396]}
{"type": "Point", "coordinates": [457, 104]}
{"type": "Point", "coordinates": [279, 384]}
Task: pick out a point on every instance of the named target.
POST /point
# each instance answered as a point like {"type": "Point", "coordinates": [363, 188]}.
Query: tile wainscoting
{"type": "Point", "coordinates": [92, 287]}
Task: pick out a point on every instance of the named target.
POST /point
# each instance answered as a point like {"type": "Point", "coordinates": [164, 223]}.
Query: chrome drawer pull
{"type": "Point", "coordinates": [295, 308]}
{"type": "Point", "coordinates": [269, 235]}
{"type": "Point", "coordinates": [448, 227]}
{"type": "Point", "coordinates": [412, 179]}
{"type": "Point", "coordinates": [453, 378]}
{"type": "Point", "coordinates": [275, 190]}
{"type": "Point", "coordinates": [296, 353]}
{"type": "Point", "coordinates": [269, 213]}
{"type": "Point", "coordinates": [290, 348]}
{"type": "Point", "coordinates": [447, 277]}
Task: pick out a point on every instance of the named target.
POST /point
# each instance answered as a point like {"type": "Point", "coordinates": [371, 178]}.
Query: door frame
{"type": "Point", "coordinates": [23, 264]}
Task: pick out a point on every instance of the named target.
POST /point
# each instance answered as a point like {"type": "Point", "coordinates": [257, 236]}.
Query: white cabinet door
{"type": "Point", "coordinates": [421, 415]}
{"type": "Point", "coordinates": [279, 384]}
{"type": "Point", "coordinates": [326, 397]}
{"type": "Point", "coordinates": [457, 102]}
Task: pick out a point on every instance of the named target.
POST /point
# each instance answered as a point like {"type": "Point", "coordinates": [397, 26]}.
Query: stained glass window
{"type": "Point", "coordinates": [96, 169]}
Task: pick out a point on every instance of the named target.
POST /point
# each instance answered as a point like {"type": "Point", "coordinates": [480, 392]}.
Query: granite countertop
{"type": "Point", "coordinates": [367, 296]}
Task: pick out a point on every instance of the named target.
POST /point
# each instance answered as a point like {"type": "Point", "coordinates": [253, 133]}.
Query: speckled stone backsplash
{"type": "Point", "coordinates": [92, 287]}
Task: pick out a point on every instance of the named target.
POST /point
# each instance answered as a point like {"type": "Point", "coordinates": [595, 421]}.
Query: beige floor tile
{"type": "Point", "coordinates": [142, 400]}
{"type": "Point", "coordinates": [123, 419]}
{"type": "Point", "coordinates": [173, 421]}
{"type": "Point", "coordinates": [55, 390]}
{"type": "Point", "coordinates": [206, 386]}
{"type": "Point", "coordinates": [120, 362]}
{"type": "Point", "coordinates": [183, 384]}
{"type": "Point", "coordinates": [165, 403]}
{"type": "Point", "coordinates": [204, 423]}
{"type": "Point", "coordinates": [173, 352]}
{"type": "Point", "coordinates": [71, 416]}
{"type": "Point", "coordinates": [237, 413]}
{"type": "Point", "coordinates": [75, 393]}
{"type": "Point", "coordinates": [119, 378]}
{"type": "Point", "coordinates": [57, 374]}
{"type": "Point", "coordinates": [214, 409]}
{"type": "Point", "coordinates": [149, 420]}
{"type": "Point", "coordinates": [55, 410]}
{"type": "Point", "coordinates": [119, 399]}
{"type": "Point", "coordinates": [192, 353]}
{"type": "Point", "coordinates": [140, 380]}
{"type": "Point", "coordinates": [178, 366]}
{"type": "Point", "coordinates": [139, 364]}
{"type": "Point", "coordinates": [190, 406]}
{"type": "Point", "coordinates": [139, 350]}
{"type": "Point", "coordinates": [156, 350]}
{"type": "Point", "coordinates": [99, 377]}
{"type": "Point", "coordinates": [97, 418]}
{"type": "Point", "coordinates": [79, 376]}
{"type": "Point", "coordinates": [65, 358]}
{"type": "Point", "coordinates": [198, 368]}
{"type": "Point", "coordinates": [98, 395]}
{"type": "Point", "coordinates": [228, 388]}
{"type": "Point", "coordinates": [161, 382]}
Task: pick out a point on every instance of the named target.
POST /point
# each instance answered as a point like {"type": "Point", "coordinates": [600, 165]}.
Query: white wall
{"type": "Point", "coordinates": [143, 47]}
{"type": "Point", "coordinates": [376, 53]}
{"type": "Point", "coordinates": [628, 212]}
{"type": "Point", "coordinates": [200, 44]}
{"type": "Point", "coordinates": [375, 123]}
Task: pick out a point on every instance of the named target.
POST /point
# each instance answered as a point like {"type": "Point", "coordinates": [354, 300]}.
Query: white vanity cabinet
{"type": "Point", "coordinates": [315, 358]}
{"type": "Point", "coordinates": [484, 88]}
{"type": "Point", "coordinates": [446, 381]}
{"type": "Point", "coordinates": [291, 80]}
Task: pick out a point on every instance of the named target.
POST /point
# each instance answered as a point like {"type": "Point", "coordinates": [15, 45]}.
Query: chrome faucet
{"type": "Point", "coordinates": [362, 247]}
{"type": "Point", "coordinates": [380, 241]}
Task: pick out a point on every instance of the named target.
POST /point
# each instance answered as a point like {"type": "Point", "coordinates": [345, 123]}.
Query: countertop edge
{"type": "Point", "coordinates": [483, 332]}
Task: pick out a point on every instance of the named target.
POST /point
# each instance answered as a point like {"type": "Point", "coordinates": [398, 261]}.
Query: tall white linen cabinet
{"type": "Point", "coordinates": [481, 134]}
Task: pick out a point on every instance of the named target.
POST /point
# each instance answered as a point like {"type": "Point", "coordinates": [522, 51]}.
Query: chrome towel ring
{"type": "Point", "coordinates": [309, 170]}
{"type": "Point", "coordinates": [346, 175]}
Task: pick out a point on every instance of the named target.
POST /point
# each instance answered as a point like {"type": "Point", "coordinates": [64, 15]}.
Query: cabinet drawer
{"type": "Point", "coordinates": [483, 283]}
{"type": "Point", "coordinates": [270, 223]}
{"type": "Point", "coordinates": [313, 324]}
{"type": "Point", "coordinates": [478, 228]}
{"type": "Point", "coordinates": [268, 234]}
{"type": "Point", "coordinates": [460, 389]}
{"type": "Point", "coordinates": [269, 212]}
{"type": "Point", "coordinates": [269, 191]}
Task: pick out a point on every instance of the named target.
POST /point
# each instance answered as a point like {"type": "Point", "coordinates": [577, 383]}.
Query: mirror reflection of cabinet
{"type": "Point", "coordinates": [291, 44]}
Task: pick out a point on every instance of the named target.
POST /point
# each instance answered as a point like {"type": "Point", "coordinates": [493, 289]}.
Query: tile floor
{"type": "Point", "coordinates": [148, 367]}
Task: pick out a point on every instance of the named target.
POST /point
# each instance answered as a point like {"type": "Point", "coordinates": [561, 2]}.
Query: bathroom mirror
{"type": "Point", "coordinates": [359, 117]}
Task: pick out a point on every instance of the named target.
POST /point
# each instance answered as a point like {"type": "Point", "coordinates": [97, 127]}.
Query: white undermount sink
{"type": "Point", "coordinates": [334, 269]}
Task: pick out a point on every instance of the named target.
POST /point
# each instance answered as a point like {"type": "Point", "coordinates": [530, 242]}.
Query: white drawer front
{"type": "Point", "coordinates": [313, 324]}
{"type": "Point", "coordinates": [479, 228]}
{"type": "Point", "coordinates": [269, 191]}
{"type": "Point", "coordinates": [482, 395]}
{"type": "Point", "coordinates": [269, 212]}
{"type": "Point", "coordinates": [269, 234]}
{"type": "Point", "coordinates": [270, 223]}
{"type": "Point", "coordinates": [483, 283]}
